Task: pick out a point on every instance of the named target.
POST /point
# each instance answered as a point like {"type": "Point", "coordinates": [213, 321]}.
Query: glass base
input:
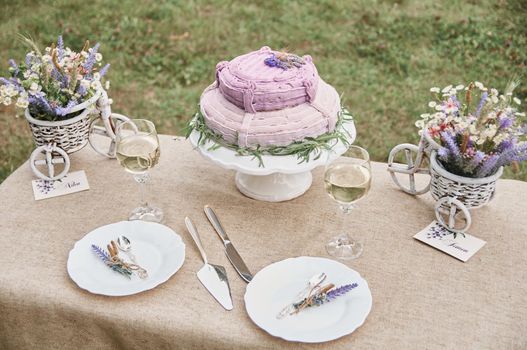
{"type": "Point", "coordinates": [147, 213]}
{"type": "Point", "coordinates": [344, 247]}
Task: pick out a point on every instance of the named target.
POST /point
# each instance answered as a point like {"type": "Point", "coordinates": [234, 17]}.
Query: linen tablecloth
{"type": "Point", "coordinates": [422, 298]}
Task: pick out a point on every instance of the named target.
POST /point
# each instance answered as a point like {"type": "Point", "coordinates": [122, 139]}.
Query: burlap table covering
{"type": "Point", "coordinates": [422, 298]}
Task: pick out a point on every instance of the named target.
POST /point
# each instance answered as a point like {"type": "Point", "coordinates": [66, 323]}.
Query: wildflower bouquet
{"type": "Point", "coordinates": [479, 129]}
{"type": "Point", "coordinates": [52, 82]}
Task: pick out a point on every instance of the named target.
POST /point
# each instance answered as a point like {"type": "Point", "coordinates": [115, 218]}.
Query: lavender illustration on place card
{"type": "Point", "coordinates": [461, 247]}
{"type": "Point", "coordinates": [71, 183]}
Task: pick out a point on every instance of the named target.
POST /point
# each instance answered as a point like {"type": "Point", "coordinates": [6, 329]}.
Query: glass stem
{"type": "Point", "coordinates": [142, 180]}
{"type": "Point", "coordinates": [346, 210]}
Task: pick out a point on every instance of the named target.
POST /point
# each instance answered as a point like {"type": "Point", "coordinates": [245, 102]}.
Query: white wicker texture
{"type": "Point", "coordinates": [70, 135]}
{"type": "Point", "coordinates": [472, 192]}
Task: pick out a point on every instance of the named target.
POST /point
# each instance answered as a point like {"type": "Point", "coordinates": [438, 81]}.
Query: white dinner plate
{"type": "Point", "coordinates": [156, 247]}
{"type": "Point", "coordinates": [276, 285]}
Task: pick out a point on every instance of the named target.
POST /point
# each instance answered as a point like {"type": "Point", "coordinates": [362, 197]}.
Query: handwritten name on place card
{"type": "Point", "coordinates": [439, 237]}
{"type": "Point", "coordinates": [71, 183]}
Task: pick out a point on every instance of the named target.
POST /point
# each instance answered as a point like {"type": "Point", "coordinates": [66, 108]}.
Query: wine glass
{"type": "Point", "coordinates": [347, 180]}
{"type": "Point", "coordinates": [138, 151]}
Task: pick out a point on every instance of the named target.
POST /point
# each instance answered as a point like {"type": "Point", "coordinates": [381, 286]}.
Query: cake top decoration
{"type": "Point", "coordinates": [284, 60]}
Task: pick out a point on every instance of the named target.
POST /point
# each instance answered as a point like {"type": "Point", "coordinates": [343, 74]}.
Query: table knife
{"type": "Point", "coordinates": [235, 258]}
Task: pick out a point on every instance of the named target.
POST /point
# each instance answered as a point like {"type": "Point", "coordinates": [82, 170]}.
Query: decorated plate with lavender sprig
{"type": "Point", "coordinates": [155, 248]}
{"type": "Point", "coordinates": [330, 315]}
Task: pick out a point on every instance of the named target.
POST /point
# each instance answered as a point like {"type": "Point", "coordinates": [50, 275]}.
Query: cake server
{"type": "Point", "coordinates": [213, 277]}
{"type": "Point", "coordinates": [231, 252]}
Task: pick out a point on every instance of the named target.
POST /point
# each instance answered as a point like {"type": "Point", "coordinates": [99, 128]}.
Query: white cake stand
{"type": "Point", "coordinates": [280, 179]}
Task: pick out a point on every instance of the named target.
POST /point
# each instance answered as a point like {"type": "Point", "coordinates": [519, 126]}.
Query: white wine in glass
{"type": "Point", "coordinates": [347, 183]}
{"type": "Point", "coordinates": [347, 179]}
{"type": "Point", "coordinates": [137, 152]}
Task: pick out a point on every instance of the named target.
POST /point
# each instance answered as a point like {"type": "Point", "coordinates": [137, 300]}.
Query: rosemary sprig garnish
{"type": "Point", "coordinates": [305, 150]}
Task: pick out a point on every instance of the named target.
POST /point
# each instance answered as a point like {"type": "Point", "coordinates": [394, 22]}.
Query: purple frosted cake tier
{"type": "Point", "coordinates": [280, 128]}
{"type": "Point", "coordinates": [253, 86]}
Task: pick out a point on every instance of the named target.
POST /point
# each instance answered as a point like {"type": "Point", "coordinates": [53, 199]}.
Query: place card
{"type": "Point", "coordinates": [439, 237]}
{"type": "Point", "coordinates": [71, 183]}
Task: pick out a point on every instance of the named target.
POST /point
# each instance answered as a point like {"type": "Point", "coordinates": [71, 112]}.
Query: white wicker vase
{"type": "Point", "coordinates": [472, 192]}
{"type": "Point", "coordinates": [70, 135]}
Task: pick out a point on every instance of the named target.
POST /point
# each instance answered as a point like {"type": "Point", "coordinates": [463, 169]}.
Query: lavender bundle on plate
{"type": "Point", "coordinates": [112, 261]}
{"type": "Point", "coordinates": [51, 82]}
{"type": "Point", "coordinates": [322, 295]}
{"type": "Point", "coordinates": [479, 129]}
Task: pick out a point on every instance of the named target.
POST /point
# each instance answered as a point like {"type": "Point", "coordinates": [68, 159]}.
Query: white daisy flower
{"type": "Point", "coordinates": [435, 90]}
{"type": "Point", "coordinates": [107, 85]}
{"type": "Point", "coordinates": [96, 85]}
{"type": "Point", "coordinates": [85, 83]}
{"type": "Point", "coordinates": [424, 116]}
{"type": "Point", "coordinates": [7, 101]}
{"type": "Point", "coordinates": [494, 99]}
{"type": "Point", "coordinates": [34, 88]}
{"type": "Point", "coordinates": [432, 104]}
{"type": "Point", "coordinates": [489, 132]}
{"type": "Point", "coordinates": [98, 57]}
{"type": "Point", "coordinates": [517, 100]}
{"type": "Point", "coordinates": [46, 58]}
{"type": "Point", "coordinates": [438, 107]}
{"type": "Point", "coordinates": [462, 125]}
{"type": "Point", "coordinates": [460, 87]}
{"type": "Point", "coordinates": [420, 124]}
{"type": "Point", "coordinates": [22, 103]}
{"type": "Point", "coordinates": [11, 92]}
{"type": "Point", "coordinates": [446, 89]}
{"type": "Point", "coordinates": [479, 85]}
{"type": "Point", "coordinates": [494, 92]}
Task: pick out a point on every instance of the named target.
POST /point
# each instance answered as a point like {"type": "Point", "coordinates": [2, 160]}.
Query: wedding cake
{"type": "Point", "coordinates": [269, 98]}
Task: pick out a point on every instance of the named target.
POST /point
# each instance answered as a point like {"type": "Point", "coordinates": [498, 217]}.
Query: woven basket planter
{"type": "Point", "coordinates": [472, 192]}
{"type": "Point", "coordinates": [70, 134]}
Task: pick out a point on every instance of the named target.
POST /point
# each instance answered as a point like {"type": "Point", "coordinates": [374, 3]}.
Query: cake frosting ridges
{"type": "Point", "coordinates": [253, 86]}
{"type": "Point", "coordinates": [268, 98]}
{"type": "Point", "coordinates": [270, 128]}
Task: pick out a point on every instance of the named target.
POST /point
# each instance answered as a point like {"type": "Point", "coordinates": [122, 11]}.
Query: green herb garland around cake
{"type": "Point", "coordinates": [305, 150]}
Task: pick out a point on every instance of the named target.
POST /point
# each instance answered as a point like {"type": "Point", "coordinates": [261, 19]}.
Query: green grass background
{"type": "Point", "coordinates": [382, 55]}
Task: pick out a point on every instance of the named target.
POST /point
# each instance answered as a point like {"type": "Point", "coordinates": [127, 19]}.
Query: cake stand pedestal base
{"type": "Point", "coordinates": [276, 187]}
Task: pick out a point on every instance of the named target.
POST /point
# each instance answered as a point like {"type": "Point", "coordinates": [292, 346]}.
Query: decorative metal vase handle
{"type": "Point", "coordinates": [107, 129]}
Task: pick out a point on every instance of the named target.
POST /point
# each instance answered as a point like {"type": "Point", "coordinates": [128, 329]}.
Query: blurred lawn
{"type": "Point", "coordinates": [382, 55]}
